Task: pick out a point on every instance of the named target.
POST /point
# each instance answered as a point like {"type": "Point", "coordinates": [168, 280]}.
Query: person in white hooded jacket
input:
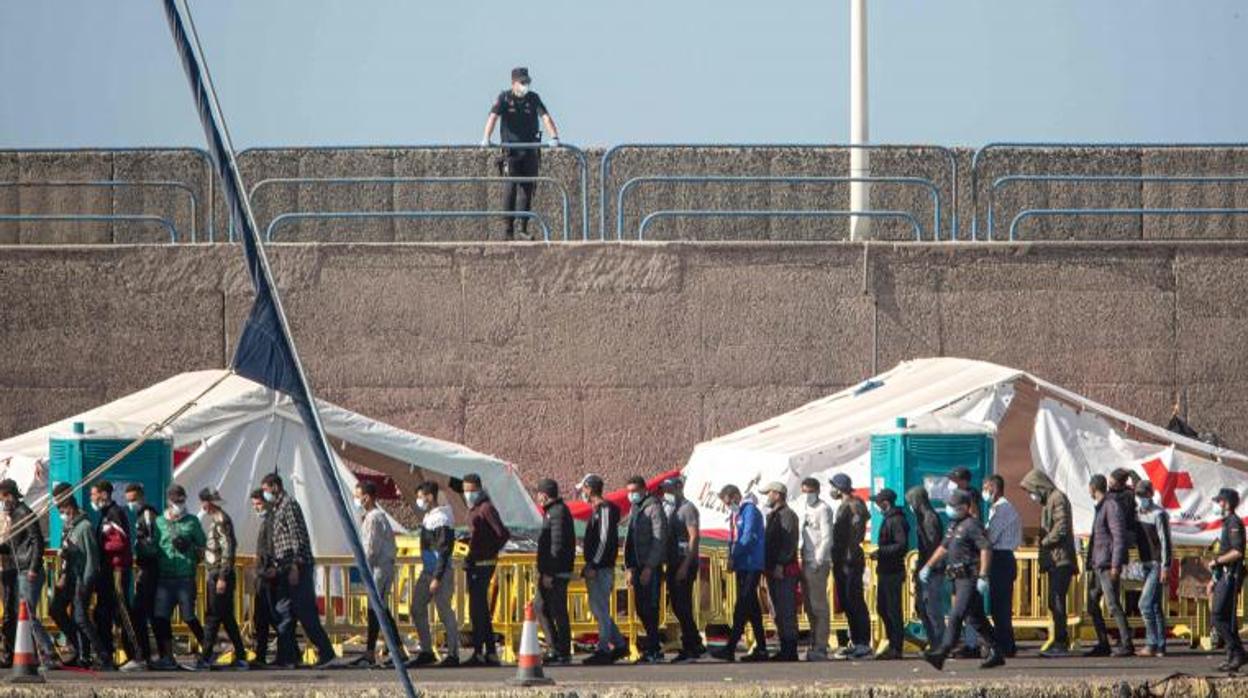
{"type": "Point", "coordinates": [437, 577]}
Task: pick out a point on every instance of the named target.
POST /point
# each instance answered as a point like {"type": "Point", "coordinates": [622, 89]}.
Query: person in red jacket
{"type": "Point", "coordinates": [112, 531]}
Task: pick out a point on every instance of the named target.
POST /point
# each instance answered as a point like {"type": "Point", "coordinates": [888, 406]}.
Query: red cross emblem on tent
{"type": "Point", "coordinates": [1165, 482]}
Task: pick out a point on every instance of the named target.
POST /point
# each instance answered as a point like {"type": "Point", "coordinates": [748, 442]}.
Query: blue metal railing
{"type": "Point", "coordinates": [1002, 182]}
{"type": "Point", "coordinates": [563, 190]}
{"type": "Point", "coordinates": [659, 215]}
{"type": "Point", "coordinates": [749, 179]}
{"type": "Point", "coordinates": [605, 167]}
{"type": "Point", "coordinates": [200, 153]}
{"type": "Point", "coordinates": [91, 218]}
{"type": "Point", "coordinates": [582, 161]}
{"type": "Point", "coordinates": [1094, 212]}
{"type": "Point", "coordinates": [285, 218]}
{"type": "Point", "coordinates": [117, 184]}
{"type": "Point", "coordinates": [983, 152]}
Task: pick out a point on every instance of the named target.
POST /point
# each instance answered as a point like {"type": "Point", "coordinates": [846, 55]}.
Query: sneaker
{"type": "Point", "coordinates": [364, 660]}
{"type": "Point", "coordinates": [598, 658]}
{"type": "Point", "coordinates": [1232, 665]}
{"type": "Point", "coordinates": [1057, 652]}
{"type": "Point", "coordinates": [422, 659]}
{"type": "Point", "coordinates": [888, 655]}
{"type": "Point", "coordinates": [201, 664]}
{"type": "Point", "coordinates": [238, 665]}
{"type": "Point", "coordinates": [162, 664]}
{"type": "Point", "coordinates": [783, 657]}
{"type": "Point", "coordinates": [1123, 651]}
{"type": "Point", "coordinates": [724, 654]}
{"type": "Point", "coordinates": [621, 652]}
{"type": "Point", "coordinates": [474, 661]}
{"type": "Point", "coordinates": [814, 656]}
{"type": "Point", "coordinates": [450, 661]}
{"type": "Point", "coordinates": [861, 652]}
{"type": "Point", "coordinates": [843, 653]}
{"type": "Point", "coordinates": [1145, 652]}
{"type": "Point", "coordinates": [330, 662]}
{"type": "Point", "coordinates": [758, 655]}
{"type": "Point", "coordinates": [492, 660]}
{"type": "Point", "coordinates": [965, 652]}
{"type": "Point", "coordinates": [683, 657]}
{"type": "Point", "coordinates": [258, 664]}
{"type": "Point", "coordinates": [1099, 651]}
{"type": "Point", "coordinates": [132, 666]}
{"type": "Point", "coordinates": [994, 660]}
{"type": "Point", "coordinates": [936, 659]}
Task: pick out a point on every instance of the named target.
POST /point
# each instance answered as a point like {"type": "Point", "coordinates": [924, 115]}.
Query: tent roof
{"type": "Point", "coordinates": [912, 389]}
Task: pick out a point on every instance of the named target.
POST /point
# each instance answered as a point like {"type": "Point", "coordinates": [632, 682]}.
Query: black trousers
{"type": "Point", "coordinates": [1001, 576]}
{"type": "Point", "coordinates": [1059, 587]}
{"type": "Point", "coordinates": [262, 617]}
{"type": "Point", "coordinates": [1222, 608]}
{"type": "Point", "coordinates": [852, 600]}
{"type": "Point", "coordinates": [479, 577]}
{"type": "Point", "coordinates": [680, 593]}
{"type": "Point", "coordinates": [646, 597]}
{"type": "Point", "coordinates": [555, 613]}
{"type": "Point", "coordinates": [1100, 586]}
{"type": "Point", "coordinates": [297, 604]}
{"type": "Point", "coordinates": [8, 592]}
{"type": "Point", "coordinates": [745, 609]}
{"type": "Point", "coordinates": [888, 607]}
{"type": "Point", "coordinates": [218, 611]}
{"type": "Point", "coordinates": [77, 627]}
{"type": "Point", "coordinates": [519, 196]}
{"type": "Point", "coordinates": [112, 611]}
{"type": "Point", "coordinates": [968, 607]}
{"type": "Point", "coordinates": [142, 605]}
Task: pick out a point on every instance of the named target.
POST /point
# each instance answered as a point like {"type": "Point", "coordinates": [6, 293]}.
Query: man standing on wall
{"type": "Point", "coordinates": [519, 110]}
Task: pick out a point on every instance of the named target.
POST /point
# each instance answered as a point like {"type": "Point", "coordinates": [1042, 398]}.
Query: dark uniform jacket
{"type": "Point", "coordinates": [781, 535]}
{"type": "Point", "coordinates": [930, 532]}
{"type": "Point", "coordinates": [893, 543]}
{"type": "Point", "coordinates": [848, 531]}
{"type": "Point", "coordinates": [1232, 538]}
{"type": "Point", "coordinates": [963, 542]}
{"type": "Point", "coordinates": [1108, 544]}
{"type": "Point", "coordinates": [556, 546]}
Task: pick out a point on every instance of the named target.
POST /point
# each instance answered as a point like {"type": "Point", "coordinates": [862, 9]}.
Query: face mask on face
{"type": "Point", "coordinates": [177, 508]}
{"type": "Point", "coordinates": [96, 506]}
{"type": "Point", "coordinates": [836, 494]}
{"type": "Point", "coordinates": [269, 497]}
{"type": "Point", "coordinates": [472, 498]}
{"type": "Point", "coordinates": [669, 498]}
{"type": "Point", "coordinates": [812, 498]}
{"type": "Point", "coordinates": [635, 497]}
{"type": "Point", "coordinates": [66, 517]}
{"type": "Point", "coordinates": [134, 507]}
{"type": "Point", "coordinates": [9, 506]}
{"type": "Point", "coordinates": [262, 513]}
{"type": "Point", "coordinates": [522, 90]}
{"type": "Point", "coordinates": [422, 504]}
{"type": "Point", "coordinates": [357, 502]}
{"type": "Point", "coordinates": [987, 496]}
{"type": "Point", "coordinates": [1143, 502]}
{"type": "Point", "coordinates": [734, 508]}
{"type": "Point", "coordinates": [1034, 497]}
{"type": "Point", "coordinates": [950, 511]}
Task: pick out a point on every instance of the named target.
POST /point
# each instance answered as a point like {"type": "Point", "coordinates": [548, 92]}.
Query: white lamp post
{"type": "Point", "coordinates": [859, 159]}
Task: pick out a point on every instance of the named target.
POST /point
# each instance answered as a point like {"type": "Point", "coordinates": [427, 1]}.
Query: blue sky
{"type": "Point", "coordinates": [322, 72]}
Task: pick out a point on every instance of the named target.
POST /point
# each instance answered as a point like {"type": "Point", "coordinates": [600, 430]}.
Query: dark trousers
{"type": "Point", "coordinates": [263, 617]}
{"type": "Point", "coordinates": [930, 605]}
{"type": "Point", "coordinates": [297, 604]}
{"type": "Point", "coordinates": [1059, 587]}
{"type": "Point", "coordinates": [745, 609]}
{"type": "Point", "coordinates": [219, 610]}
{"type": "Point", "coordinates": [555, 615]}
{"type": "Point", "coordinates": [783, 594]}
{"type": "Point", "coordinates": [888, 607]}
{"type": "Point", "coordinates": [112, 611]}
{"type": "Point", "coordinates": [968, 608]}
{"type": "Point", "coordinates": [680, 593]}
{"type": "Point", "coordinates": [1100, 586]}
{"type": "Point", "coordinates": [1222, 608]}
{"type": "Point", "coordinates": [1001, 576]}
{"type": "Point", "coordinates": [142, 606]}
{"type": "Point", "coordinates": [8, 592]}
{"type": "Point", "coordinates": [850, 597]}
{"type": "Point", "coordinates": [77, 627]}
{"type": "Point", "coordinates": [519, 196]}
{"type": "Point", "coordinates": [478, 579]}
{"type": "Point", "coordinates": [646, 596]}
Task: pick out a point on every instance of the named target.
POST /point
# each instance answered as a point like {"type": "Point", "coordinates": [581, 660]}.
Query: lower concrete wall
{"type": "Point", "coordinates": [620, 358]}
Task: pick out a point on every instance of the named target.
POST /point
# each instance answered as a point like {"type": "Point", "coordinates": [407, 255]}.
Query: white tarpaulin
{"type": "Point", "coordinates": [1073, 437]}
{"type": "Point", "coordinates": [242, 430]}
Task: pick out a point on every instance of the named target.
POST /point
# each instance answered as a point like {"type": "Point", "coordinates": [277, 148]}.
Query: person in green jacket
{"type": "Point", "coordinates": [80, 567]}
{"type": "Point", "coordinates": [179, 543]}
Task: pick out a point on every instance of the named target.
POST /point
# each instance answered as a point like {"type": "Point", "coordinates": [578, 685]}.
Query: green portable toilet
{"type": "Point", "coordinates": [923, 453]}
{"type": "Point", "coordinates": [73, 456]}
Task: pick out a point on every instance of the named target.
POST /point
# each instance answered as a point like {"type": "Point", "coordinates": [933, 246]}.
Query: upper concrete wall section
{"type": "Point", "coordinates": [618, 359]}
{"type": "Point", "coordinates": [157, 197]}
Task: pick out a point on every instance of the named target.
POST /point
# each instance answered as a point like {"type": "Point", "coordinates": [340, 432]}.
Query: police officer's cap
{"type": "Point", "coordinates": [959, 499]}
{"type": "Point", "coordinates": [1228, 495]}
{"type": "Point", "coordinates": [520, 75]}
{"type": "Point", "coordinates": [885, 495]}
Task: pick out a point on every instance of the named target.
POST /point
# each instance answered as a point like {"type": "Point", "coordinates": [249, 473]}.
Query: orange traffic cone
{"type": "Point", "coordinates": [25, 663]}
{"type": "Point", "coordinates": [529, 665]}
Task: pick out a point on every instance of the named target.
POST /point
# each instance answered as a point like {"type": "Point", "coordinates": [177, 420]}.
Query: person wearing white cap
{"type": "Point", "coordinates": [601, 547]}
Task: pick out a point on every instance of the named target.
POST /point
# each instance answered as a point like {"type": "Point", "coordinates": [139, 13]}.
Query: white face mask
{"type": "Point", "coordinates": [1035, 497]}
{"type": "Point", "coordinates": [96, 506]}
{"type": "Point", "coordinates": [987, 496]}
{"type": "Point", "coordinates": [472, 497]}
{"type": "Point", "coordinates": [134, 506]}
{"type": "Point", "coordinates": [734, 508]}
{"type": "Point", "coordinates": [357, 502]}
{"type": "Point", "coordinates": [269, 496]}
{"type": "Point", "coordinates": [1143, 502]}
{"type": "Point", "coordinates": [669, 498]}
{"type": "Point", "coordinates": [950, 511]}
{"type": "Point", "coordinates": [635, 497]}
{"type": "Point", "coordinates": [521, 90]}
{"type": "Point", "coordinates": [66, 518]}
{"type": "Point", "coordinates": [422, 504]}
{"type": "Point", "coordinates": [812, 498]}
{"type": "Point", "coordinates": [177, 509]}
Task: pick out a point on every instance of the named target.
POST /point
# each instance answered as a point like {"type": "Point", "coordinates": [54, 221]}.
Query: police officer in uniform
{"type": "Point", "coordinates": [969, 556]}
{"type": "Point", "coordinates": [519, 110]}
{"type": "Point", "coordinates": [1228, 577]}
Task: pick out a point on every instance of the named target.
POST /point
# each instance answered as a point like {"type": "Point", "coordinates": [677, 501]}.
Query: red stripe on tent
{"type": "Point", "coordinates": [580, 510]}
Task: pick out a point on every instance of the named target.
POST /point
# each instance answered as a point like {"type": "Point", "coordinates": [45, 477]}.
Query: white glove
{"type": "Point", "coordinates": [981, 585]}
{"type": "Point", "coordinates": [554, 142]}
{"type": "Point", "coordinates": [485, 142]}
{"type": "Point", "coordinates": [925, 573]}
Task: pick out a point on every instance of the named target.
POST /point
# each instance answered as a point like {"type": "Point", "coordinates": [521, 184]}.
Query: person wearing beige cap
{"type": "Point", "coordinates": [219, 553]}
{"type": "Point", "coordinates": [781, 534]}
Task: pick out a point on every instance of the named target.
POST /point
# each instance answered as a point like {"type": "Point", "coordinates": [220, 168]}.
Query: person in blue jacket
{"type": "Point", "coordinates": [745, 559]}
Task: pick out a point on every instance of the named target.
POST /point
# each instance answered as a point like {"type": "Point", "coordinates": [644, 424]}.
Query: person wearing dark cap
{"type": "Point", "coordinates": [684, 537]}
{"type": "Point", "coordinates": [746, 558]}
{"type": "Point", "coordinates": [220, 548]}
{"type": "Point", "coordinates": [969, 557]}
{"type": "Point", "coordinates": [24, 552]}
{"type": "Point", "coordinates": [556, 555]}
{"type": "Point", "coordinates": [601, 547]}
{"type": "Point", "coordinates": [180, 540]}
{"type": "Point", "coordinates": [1228, 577]}
{"type": "Point", "coordinates": [1107, 555]}
{"type": "Point", "coordinates": [487, 535]}
{"type": "Point", "coordinates": [890, 569]}
{"type": "Point", "coordinates": [816, 554]}
{"type": "Point", "coordinates": [782, 533]}
{"type": "Point", "coordinates": [960, 477]}
{"type": "Point", "coordinates": [849, 530]}
{"type": "Point", "coordinates": [75, 585]}
{"type": "Point", "coordinates": [519, 109]}
{"type": "Point", "coordinates": [645, 547]}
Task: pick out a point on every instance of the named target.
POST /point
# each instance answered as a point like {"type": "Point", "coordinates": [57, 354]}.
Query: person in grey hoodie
{"type": "Point", "coordinates": [1107, 555]}
{"type": "Point", "coordinates": [1057, 553]}
{"type": "Point", "coordinates": [645, 547]}
{"type": "Point", "coordinates": [930, 600]}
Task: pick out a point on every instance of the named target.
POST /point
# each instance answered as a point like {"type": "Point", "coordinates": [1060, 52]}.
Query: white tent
{"type": "Point", "coordinates": [240, 430]}
{"type": "Point", "coordinates": [1036, 423]}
